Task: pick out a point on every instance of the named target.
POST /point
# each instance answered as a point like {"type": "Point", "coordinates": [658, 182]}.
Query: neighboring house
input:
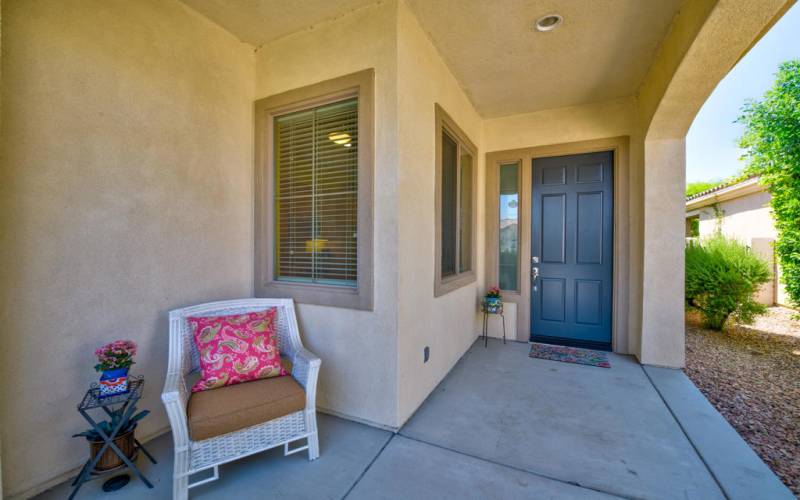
{"type": "Point", "coordinates": [351, 155]}
{"type": "Point", "coordinates": [740, 210]}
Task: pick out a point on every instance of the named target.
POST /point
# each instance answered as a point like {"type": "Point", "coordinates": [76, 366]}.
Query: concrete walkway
{"type": "Point", "coordinates": [503, 425]}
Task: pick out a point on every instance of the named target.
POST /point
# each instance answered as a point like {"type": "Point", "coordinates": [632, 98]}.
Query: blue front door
{"type": "Point", "coordinates": [572, 250]}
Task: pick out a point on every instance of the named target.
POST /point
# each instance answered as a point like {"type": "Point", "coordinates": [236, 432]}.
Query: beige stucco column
{"type": "Point", "coordinates": [662, 341]}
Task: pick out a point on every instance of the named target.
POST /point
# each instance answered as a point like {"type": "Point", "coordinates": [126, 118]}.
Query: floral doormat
{"type": "Point", "coordinates": [570, 355]}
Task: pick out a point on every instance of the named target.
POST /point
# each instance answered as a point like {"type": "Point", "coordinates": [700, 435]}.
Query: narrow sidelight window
{"type": "Point", "coordinates": [313, 202]}
{"type": "Point", "coordinates": [509, 227]}
{"type": "Point", "coordinates": [316, 169]}
{"type": "Point", "coordinates": [455, 213]}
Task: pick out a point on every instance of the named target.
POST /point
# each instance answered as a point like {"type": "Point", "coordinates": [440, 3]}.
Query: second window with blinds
{"type": "Point", "coordinates": [455, 206]}
{"type": "Point", "coordinates": [314, 198]}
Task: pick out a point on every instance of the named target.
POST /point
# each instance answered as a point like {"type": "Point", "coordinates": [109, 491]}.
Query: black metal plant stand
{"type": "Point", "coordinates": [127, 402]}
{"type": "Point", "coordinates": [486, 312]}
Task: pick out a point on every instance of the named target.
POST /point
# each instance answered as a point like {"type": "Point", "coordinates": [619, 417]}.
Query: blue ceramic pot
{"type": "Point", "coordinates": [493, 304]}
{"type": "Point", "coordinates": [113, 382]}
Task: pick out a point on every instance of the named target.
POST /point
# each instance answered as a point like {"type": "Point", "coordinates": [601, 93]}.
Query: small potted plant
{"type": "Point", "coordinates": [124, 441]}
{"type": "Point", "coordinates": [114, 361]}
{"type": "Point", "coordinates": [493, 302]}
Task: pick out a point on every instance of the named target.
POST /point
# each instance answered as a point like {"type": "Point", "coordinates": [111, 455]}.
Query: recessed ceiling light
{"type": "Point", "coordinates": [548, 22]}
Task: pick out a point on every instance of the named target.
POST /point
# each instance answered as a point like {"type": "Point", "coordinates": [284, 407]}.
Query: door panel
{"type": "Point", "coordinates": [589, 231]}
{"type": "Point", "coordinates": [572, 249]}
{"type": "Point", "coordinates": [553, 228]}
{"type": "Point", "coordinates": [553, 299]}
{"type": "Point", "coordinates": [588, 302]}
{"type": "Point", "coordinates": [553, 176]}
{"type": "Point", "coordinates": [589, 173]}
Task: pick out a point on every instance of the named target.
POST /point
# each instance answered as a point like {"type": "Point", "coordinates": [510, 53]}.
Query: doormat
{"type": "Point", "coordinates": [570, 355]}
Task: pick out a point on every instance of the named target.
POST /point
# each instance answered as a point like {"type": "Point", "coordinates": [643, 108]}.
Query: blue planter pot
{"type": "Point", "coordinates": [493, 304]}
{"type": "Point", "coordinates": [113, 382]}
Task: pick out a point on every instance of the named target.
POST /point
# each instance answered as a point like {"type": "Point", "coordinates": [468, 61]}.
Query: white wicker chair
{"type": "Point", "coordinates": [192, 457]}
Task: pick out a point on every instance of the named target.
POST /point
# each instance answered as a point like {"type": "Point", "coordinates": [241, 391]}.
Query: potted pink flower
{"type": "Point", "coordinates": [114, 361]}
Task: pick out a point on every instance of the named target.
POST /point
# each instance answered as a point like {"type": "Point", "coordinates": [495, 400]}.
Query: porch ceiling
{"type": "Point", "coordinates": [260, 21]}
{"type": "Point", "coordinates": [601, 51]}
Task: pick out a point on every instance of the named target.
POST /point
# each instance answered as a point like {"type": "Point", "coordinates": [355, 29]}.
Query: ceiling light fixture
{"type": "Point", "coordinates": [341, 138]}
{"type": "Point", "coordinates": [548, 22]}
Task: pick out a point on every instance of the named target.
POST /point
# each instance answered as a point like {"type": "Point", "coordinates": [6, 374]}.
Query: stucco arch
{"type": "Point", "coordinates": [706, 40]}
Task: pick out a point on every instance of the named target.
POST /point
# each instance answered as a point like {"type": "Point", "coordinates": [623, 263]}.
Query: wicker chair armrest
{"type": "Point", "coordinates": [305, 369]}
{"type": "Point", "coordinates": [175, 397]}
{"type": "Point", "coordinates": [175, 389]}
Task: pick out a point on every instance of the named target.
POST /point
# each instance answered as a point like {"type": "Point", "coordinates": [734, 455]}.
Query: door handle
{"type": "Point", "coordinates": [534, 273]}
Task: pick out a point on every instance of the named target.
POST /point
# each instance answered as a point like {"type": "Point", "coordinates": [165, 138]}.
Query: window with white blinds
{"type": "Point", "coordinates": [316, 194]}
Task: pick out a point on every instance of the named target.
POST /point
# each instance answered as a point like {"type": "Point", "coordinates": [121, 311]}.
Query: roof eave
{"type": "Point", "coordinates": [743, 188]}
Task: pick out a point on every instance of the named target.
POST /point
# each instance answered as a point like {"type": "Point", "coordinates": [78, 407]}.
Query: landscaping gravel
{"type": "Point", "coordinates": [751, 374]}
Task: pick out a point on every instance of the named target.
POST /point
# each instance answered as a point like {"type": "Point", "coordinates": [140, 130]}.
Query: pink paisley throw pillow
{"type": "Point", "coordinates": [235, 349]}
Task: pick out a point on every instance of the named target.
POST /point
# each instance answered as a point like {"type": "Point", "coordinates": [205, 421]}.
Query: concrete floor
{"type": "Point", "coordinates": [503, 425]}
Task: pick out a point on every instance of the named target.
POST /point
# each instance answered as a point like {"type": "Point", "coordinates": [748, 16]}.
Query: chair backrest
{"type": "Point", "coordinates": [183, 354]}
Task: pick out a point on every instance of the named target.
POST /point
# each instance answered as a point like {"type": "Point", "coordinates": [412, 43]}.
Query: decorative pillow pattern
{"type": "Point", "coordinates": [235, 349]}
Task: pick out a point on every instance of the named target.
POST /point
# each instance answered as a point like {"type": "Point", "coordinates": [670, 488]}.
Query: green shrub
{"type": "Point", "coordinates": [722, 275]}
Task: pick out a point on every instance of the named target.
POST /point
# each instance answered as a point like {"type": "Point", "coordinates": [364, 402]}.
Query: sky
{"type": "Point", "coordinates": [711, 144]}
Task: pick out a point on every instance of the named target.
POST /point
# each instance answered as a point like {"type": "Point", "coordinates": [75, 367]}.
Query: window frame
{"type": "Point", "coordinates": [360, 85]}
{"type": "Point", "coordinates": [446, 284]}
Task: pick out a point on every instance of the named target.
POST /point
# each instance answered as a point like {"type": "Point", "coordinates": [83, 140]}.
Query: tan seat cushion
{"type": "Point", "coordinates": [234, 407]}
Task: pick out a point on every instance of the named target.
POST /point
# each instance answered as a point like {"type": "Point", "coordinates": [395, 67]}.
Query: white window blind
{"type": "Point", "coordinates": [316, 199]}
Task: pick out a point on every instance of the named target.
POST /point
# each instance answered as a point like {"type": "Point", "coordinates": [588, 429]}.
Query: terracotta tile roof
{"type": "Point", "coordinates": [719, 187]}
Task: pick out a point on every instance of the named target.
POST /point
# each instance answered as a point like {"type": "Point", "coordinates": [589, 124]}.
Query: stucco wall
{"type": "Point", "coordinates": [582, 123]}
{"type": "Point", "coordinates": [125, 191]}
{"type": "Point", "coordinates": [560, 125]}
{"type": "Point", "coordinates": [744, 218]}
{"type": "Point", "coordinates": [449, 323]}
{"type": "Point", "coordinates": [372, 361]}
{"type": "Point", "coordinates": [358, 377]}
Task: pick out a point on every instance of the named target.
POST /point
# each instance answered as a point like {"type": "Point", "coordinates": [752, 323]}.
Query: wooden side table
{"type": "Point", "coordinates": [486, 312]}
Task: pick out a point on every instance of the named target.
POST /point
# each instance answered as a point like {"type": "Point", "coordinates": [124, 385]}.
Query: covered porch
{"type": "Point", "coordinates": [503, 425]}
{"type": "Point", "coordinates": [352, 156]}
